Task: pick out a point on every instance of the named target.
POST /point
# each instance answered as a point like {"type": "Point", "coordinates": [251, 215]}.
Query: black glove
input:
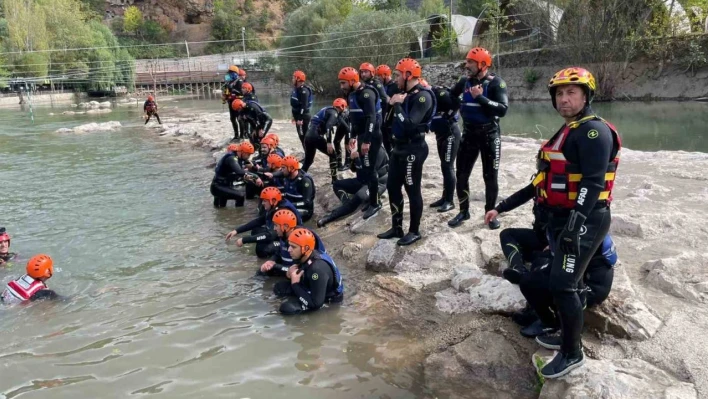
{"type": "Point", "coordinates": [569, 238]}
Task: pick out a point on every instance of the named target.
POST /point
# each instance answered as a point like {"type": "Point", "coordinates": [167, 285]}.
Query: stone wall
{"type": "Point", "coordinates": [635, 82]}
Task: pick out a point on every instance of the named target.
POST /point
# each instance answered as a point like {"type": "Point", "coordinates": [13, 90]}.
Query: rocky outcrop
{"type": "Point", "coordinates": [485, 364]}
{"type": "Point", "coordinates": [472, 290]}
{"type": "Point", "coordinates": [614, 379]}
{"type": "Point", "coordinates": [92, 127]}
{"type": "Point", "coordinates": [684, 276]}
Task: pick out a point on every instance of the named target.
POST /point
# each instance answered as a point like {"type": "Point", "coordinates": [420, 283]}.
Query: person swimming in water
{"type": "Point", "coordinates": [5, 255]}
{"type": "Point", "coordinates": [32, 286]}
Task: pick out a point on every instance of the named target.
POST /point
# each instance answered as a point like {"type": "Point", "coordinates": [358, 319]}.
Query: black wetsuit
{"type": "Point", "coordinates": [257, 119]}
{"type": "Point", "coordinates": [342, 133]}
{"type": "Point", "coordinates": [589, 148]}
{"type": "Point", "coordinates": [411, 120]}
{"type": "Point", "coordinates": [364, 107]}
{"type": "Point", "coordinates": [355, 191]}
{"type": "Point", "coordinates": [301, 192]}
{"type": "Point", "coordinates": [300, 103]}
{"type": "Point", "coordinates": [262, 233]}
{"type": "Point", "coordinates": [481, 136]}
{"type": "Point", "coordinates": [319, 134]}
{"type": "Point", "coordinates": [234, 91]}
{"type": "Point", "coordinates": [447, 136]}
{"type": "Point", "coordinates": [228, 181]}
{"type": "Point", "coordinates": [380, 88]}
{"type": "Point", "coordinates": [387, 111]}
{"type": "Point", "coordinates": [150, 108]}
{"type": "Point", "coordinates": [320, 284]}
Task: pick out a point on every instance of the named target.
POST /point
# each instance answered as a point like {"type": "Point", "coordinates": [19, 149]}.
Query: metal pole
{"type": "Point", "coordinates": [450, 30]}
{"type": "Point", "coordinates": [243, 41]}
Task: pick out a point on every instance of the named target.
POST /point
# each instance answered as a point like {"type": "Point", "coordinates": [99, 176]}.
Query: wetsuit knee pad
{"type": "Point", "coordinates": [291, 307]}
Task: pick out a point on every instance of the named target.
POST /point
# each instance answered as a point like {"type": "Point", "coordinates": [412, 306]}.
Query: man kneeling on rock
{"type": "Point", "coordinates": [315, 282]}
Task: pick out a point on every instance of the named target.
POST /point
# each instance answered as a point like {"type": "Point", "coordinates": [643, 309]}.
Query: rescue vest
{"type": "Point", "coordinates": [339, 286]}
{"type": "Point", "coordinates": [22, 289]}
{"type": "Point", "coordinates": [320, 118]}
{"type": "Point", "coordinates": [291, 186]}
{"type": "Point", "coordinates": [295, 101]}
{"type": "Point", "coordinates": [151, 107]}
{"type": "Point", "coordinates": [470, 109]}
{"type": "Point", "coordinates": [557, 179]}
{"type": "Point", "coordinates": [443, 119]}
{"type": "Point", "coordinates": [356, 114]}
{"type": "Point", "coordinates": [399, 128]}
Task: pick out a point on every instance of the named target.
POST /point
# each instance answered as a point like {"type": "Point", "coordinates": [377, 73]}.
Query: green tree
{"type": "Point", "coordinates": [132, 19]}
{"type": "Point", "coordinates": [432, 7]}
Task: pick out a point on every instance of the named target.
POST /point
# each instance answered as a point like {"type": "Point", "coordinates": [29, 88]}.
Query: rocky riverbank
{"type": "Point", "coordinates": [646, 340]}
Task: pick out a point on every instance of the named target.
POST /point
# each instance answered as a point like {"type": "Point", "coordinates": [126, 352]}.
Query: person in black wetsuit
{"type": "Point", "coordinates": [320, 136]}
{"type": "Point", "coordinates": [150, 109]}
{"type": "Point", "coordinates": [231, 90]}
{"type": "Point", "coordinates": [367, 74]}
{"type": "Point", "coordinates": [301, 101]}
{"type": "Point", "coordinates": [574, 182]}
{"type": "Point", "coordinates": [447, 136]}
{"type": "Point", "coordinates": [228, 179]}
{"type": "Point", "coordinates": [413, 110]}
{"type": "Point", "coordinates": [355, 191]}
{"type": "Point", "coordinates": [299, 187]}
{"type": "Point", "coordinates": [261, 227]}
{"type": "Point", "coordinates": [342, 134]}
{"type": "Point", "coordinates": [5, 255]}
{"type": "Point", "coordinates": [249, 93]}
{"type": "Point", "coordinates": [32, 286]}
{"type": "Point", "coordinates": [390, 87]}
{"type": "Point", "coordinates": [484, 102]}
{"type": "Point", "coordinates": [317, 280]}
{"type": "Point", "coordinates": [256, 118]}
{"type": "Point", "coordinates": [281, 264]}
{"type": "Point", "coordinates": [365, 133]}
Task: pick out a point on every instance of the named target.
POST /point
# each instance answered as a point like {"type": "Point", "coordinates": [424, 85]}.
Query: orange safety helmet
{"type": "Point", "coordinates": [269, 141]}
{"type": "Point", "coordinates": [40, 266]}
{"type": "Point", "coordinates": [480, 55]}
{"type": "Point", "coordinates": [367, 66]}
{"type": "Point", "coordinates": [340, 104]}
{"type": "Point", "coordinates": [151, 98]}
{"type": "Point", "coordinates": [271, 195]}
{"type": "Point", "coordinates": [274, 160]}
{"type": "Point", "coordinates": [247, 148]}
{"type": "Point", "coordinates": [275, 137]}
{"type": "Point", "coordinates": [349, 74]}
{"type": "Point", "coordinates": [234, 147]}
{"type": "Point", "coordinates": [233, 68]}
{"type": "Point", "coordinates": [291, 163]}
{"type": "Point", "coordinates": [286, 219]}
{"type": "Point", "coordinates": [303, 238]}
{"type": "Point", "coordinates": [299, 76]}
{"type": "Point", "coordinates": [238, 104]}
{"type": "Point", "coordinates": [242, 73]}
{"type": "Point", "coordinates": [411, 66]}
{"type": "Point", "coordinates": [247, 88]}
{"type": "Point", "coordinates": [383, 71]}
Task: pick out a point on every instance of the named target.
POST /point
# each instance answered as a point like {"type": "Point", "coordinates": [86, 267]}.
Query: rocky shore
{"type": "Point", "coordinates": [645, 341]}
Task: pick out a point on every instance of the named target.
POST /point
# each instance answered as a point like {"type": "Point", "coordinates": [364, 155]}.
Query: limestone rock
{"type": "Point", "coordinates": [683, 276]}
{"type": "Point", "coordinates": [492, 255]}
{"type": "Point", "coordinates": [92, 127]}
{"type": "Point", "coordinates": [625, 226]}
{"type": "Point", "coordinates": [485, 363]}
{"type": "Point", "coordinates": [350, 250]}
{"type": "Point", "coordinates": [623, 314]}
{"type": "Point", "coordinates": [381, 256]}
{"type": "Point", "coordinates": [616, 379]}
{"type": "Point", "coordinates": [105, 104]}
{"type": "Point", "coordinates": [480, 292]}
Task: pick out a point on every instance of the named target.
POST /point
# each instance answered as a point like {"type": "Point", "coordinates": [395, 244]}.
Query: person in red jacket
{"type": "Point", "coordinates": [32, 286]}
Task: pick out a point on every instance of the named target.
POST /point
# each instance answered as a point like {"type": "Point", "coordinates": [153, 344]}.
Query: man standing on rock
{"type": "Point", "coordinates": [231, 91]}
{"type": "Point", "coordinates": [365, 138]}
{"type": "Point", "coordinates": [574, 182]}
{"type": "Point", "coordinates": [447, 136]}
{"type": "Point", "coordinates": [391, 88]}
{"type": "Point", "coordinates": [484, 101]}
{"type": "Point", "coordinates": [301, 101]}
{"type": "Point", "coordinates": [413, 110]}
{"type": "Point", "coordinates": [150, 109]}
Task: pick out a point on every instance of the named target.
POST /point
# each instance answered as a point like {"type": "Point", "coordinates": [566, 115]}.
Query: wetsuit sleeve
{"type": "Point", "coordinates": [459, 87]}
{"type": "Point", "coordinates": [269, 235]}
{"type": "Point", "coordinates": [307, 190]}
{"type": "Point", "coordinates": [235, 166]}
{"type": "Point", "coordinates": [236, 87]}
{"type": "Point", "coordinates": [516, 200]}
{"type": "Point", "coordinates": [368, 106]}
{"type": "Point", "coordinates": [318, 277]}
{"type": "Point", "coordinates": [593, 144]}
{"type": "Point", "coordinates": [278, 174]}
{"type": "Point", "coordinates": [44, 294]}
{"type": "Point", "coordinates": [330, 123]}
{"type": "Point", "coordinates": [257, 222]}
{"type": "Point", "coordinates": [498, 102]}
{"type": "Point", "coordinates": [418, 111]}
{"type": "Point", "coordinates": [382, 92]}
{"type": "Point", "coordinates": [303, 99]}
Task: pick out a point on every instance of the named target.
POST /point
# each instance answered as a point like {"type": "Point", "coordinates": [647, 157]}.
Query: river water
{"type": "Point", "coordinates": [157, 304]}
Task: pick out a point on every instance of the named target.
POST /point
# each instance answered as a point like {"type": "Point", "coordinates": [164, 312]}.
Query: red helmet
{"type": "Point", "coordinates": [151, 98]}
{"type": "Point", "coordinates": [411, 66]}
{"type": "Point", "coordinates": [40, 266]}
{"type": "Point", "coordinates": [349, 74]}
{"type": "Point", "coordinates": [247, 148]}
{"type": "Point", "coordinates": [242, 72]}
{"type": "Point", "coordinates": [234, 148]}
{"type": "Point", "coordinates": [275, 137]}
{"type": "Point", "coordinates": [247, 88]}
{"type": "Point", "coordinates": [340, 104]}
{"type": "Point", "coordinates": [367, 67]}
{"type": "Point", "coordinates": [383, 71]}
{"type": "Point", "coordinates": [303, 238]}
{"type": "Point", "coordinates": [275, 160]}
{"type": "Point", "coordinates": [286, 219]}
{"type": "Point", "coordinates": [237, 104]}
{"type": "Point", "coordinates": [271, 195]}
{"type": "Point", "coordinates": [480, 55]}
{"type": "Point", "coordinates": [269, 141]}
{"type": "Point", "coordinates": [291, 163]}
{"type": "Point", "coordinates": [299, 76]}
{"type": "Point", "coordinates": [4, 236]}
